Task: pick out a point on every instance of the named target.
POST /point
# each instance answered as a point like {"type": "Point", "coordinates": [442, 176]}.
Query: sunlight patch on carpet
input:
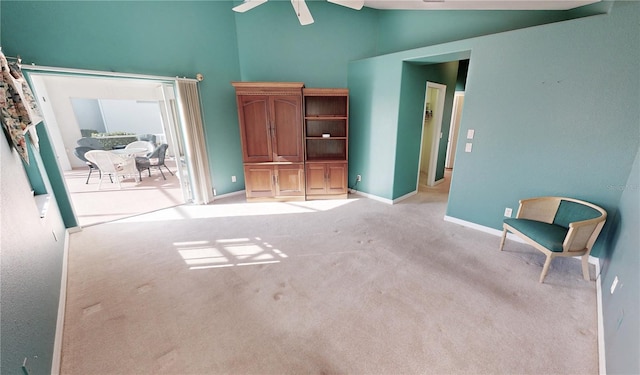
{"type": "Point", "coordinates": [227, 253]}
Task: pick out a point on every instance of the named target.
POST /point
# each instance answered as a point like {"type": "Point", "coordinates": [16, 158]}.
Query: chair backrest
{"type": "Point", "coordinates": [92, 143]}
{"type": "Point", "coordinates": [141, 144]}
{"type": "Point", "coordinates": [159, 153]}
{"type": "Point", "coordinates": [80, 152]}
{"type": "Point", "coordinates": [572, 211]}
{"type": "Point", "coordinates": [147, 137]}
{"type": "Point", "coordinates": [105, 160]}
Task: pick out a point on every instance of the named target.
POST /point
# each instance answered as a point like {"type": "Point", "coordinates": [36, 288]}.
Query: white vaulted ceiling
{"type": "Point", "coordinates": [477, 4]}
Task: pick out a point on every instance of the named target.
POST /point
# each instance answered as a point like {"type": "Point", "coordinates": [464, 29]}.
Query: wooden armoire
{"type": "Point", "coordinates": [278, 122]}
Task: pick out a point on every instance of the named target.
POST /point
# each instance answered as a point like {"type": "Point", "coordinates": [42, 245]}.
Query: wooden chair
{"type": "Point", "coordinates": [558, 227]}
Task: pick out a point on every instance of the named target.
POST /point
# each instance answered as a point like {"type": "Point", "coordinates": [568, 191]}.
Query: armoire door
{"type": "Point", "coordinates": [286, 118]}
{"type": "Point", "coordinates": [255, 128]}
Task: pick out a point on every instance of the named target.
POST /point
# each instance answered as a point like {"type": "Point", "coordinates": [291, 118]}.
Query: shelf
{"type": "Point", "coordinates": [327, 138]}
{"type": "Point", "coordinates": [326, 106]}
{"type": "Point", "coordinates": [326, 160]}
{"type": "Point", "coordinates": [316, 128]}
{"type": "Point", "coordinates": [326, 117]}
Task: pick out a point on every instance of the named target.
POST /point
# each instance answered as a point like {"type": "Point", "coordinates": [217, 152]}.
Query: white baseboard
{"type": "Point", "coordinates": [62, 302]}
{"type": "Point", "coordinates": [399, 199]}
{"type": "Point", "coordinates": [602, 358]}
{"type": "Point", "coordinates": [482, 228]}
{"type": "Point", "coordinates": [234, 193]}
{"type": "Point", "coordinates": [602, 367]}
{"type": "Point", "coordinates": [371, 196]}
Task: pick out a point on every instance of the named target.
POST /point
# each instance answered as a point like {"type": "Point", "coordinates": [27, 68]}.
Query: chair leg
{"type": "Point", "coordinates": [89, 176]}
{"type": "Point", "coordinates": [160, 169]}
{"type": "Point", "coordinates": [504, 236]}
{"type": "Point", "coordinates": [167, 168]}
{"type": "Point", "coordinates": [585, 267]}
{"type": "Point", "coordinates": [545, 269]}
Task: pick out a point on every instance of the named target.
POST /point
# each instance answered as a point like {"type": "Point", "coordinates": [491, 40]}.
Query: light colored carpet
{"type": "Point", "coordinates": [322, 287]}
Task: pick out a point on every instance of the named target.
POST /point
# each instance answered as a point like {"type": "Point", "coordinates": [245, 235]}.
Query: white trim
{"type": "Point", "coordinates": [55, 69]}
{"type": "Point", "coordinates": [399, 199]}
{"type": "Point", "coordinates": [602, 357]}
{"type": "Point", "coordinates": [227, 195]}
{"type": "Point", "coordinates": [436, 130]}
{"type": "Point", "coordinates": [482, 228]}
{"type": "Point", "coordinates": [74, 229]}
{"type": "Point", "coordinates": [62, 302]}
{"type": "Point", "coordinates": [371, 196]}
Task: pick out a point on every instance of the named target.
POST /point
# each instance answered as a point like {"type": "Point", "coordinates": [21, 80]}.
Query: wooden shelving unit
{"type": "Point", "coordinates": [326, 132]}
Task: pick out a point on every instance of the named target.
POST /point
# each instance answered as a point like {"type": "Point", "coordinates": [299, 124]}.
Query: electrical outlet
{"type": "Point", "coordinates": [233, 178]}
{"type": "Point", "coordinates": [358, 178]}
{"type": "Point", "coordinates": [508, 211]}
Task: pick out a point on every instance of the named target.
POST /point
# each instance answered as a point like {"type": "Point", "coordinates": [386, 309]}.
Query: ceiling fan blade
{"type": "Point", "coordinates": [248, 5]}
{"type": "Point", "coordinates": [353, 4]}
{"type": "Point", "coordinates": [302, 11]}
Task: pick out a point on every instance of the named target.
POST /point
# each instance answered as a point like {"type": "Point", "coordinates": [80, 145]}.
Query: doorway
{"type": "Point", "coordinates": [60, 96]}
{"type": "Point", "coordinates": [456, 116]}
{"type": "Point", "coordinates": [431, 134]}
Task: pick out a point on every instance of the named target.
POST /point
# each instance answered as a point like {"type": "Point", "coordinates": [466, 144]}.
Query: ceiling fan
{"type": "Point", "coordinates": [300, 7]}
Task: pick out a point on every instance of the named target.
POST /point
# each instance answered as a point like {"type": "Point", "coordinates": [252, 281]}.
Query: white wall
{"type": "Point", "coordinates": [133, 116]}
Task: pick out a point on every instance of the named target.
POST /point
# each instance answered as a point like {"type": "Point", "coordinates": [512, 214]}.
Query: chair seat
{"type": "Point", "coordinates": [551, 236]}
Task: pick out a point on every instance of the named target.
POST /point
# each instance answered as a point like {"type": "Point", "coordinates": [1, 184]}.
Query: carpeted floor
{"type": "Point", "coordinates": [320, 287]}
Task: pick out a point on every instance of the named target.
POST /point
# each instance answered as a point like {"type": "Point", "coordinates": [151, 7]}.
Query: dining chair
{"type": "Point", "coordinates": [80, 152]}
{"type": "Point", "coordinates": [111, 164]}
{"type": "Point", "coordinates": [153, 160]}
{"type": "Point", "coordinates": [147, 146]}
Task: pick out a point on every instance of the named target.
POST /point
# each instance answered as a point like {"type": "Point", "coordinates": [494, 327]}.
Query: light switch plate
{"type": "Point", "coordinates": [467, 147]}
{"type": "Point", "coordinates": [470, 133]}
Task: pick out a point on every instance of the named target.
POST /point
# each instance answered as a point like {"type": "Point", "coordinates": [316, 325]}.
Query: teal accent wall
{"type": "Point", "coordinates": [55, 178]}
{"type": "Point", "coordinates": [166, 38]}
{"type": "Point", "coordinates": [34, 175]}
{"type": "Point", "coordinates": [401, 30]}
{"type": "Point", "coordinates": [30, 268]}
{"type": "Point", "coordinates": [622, 259]}
{"type": "Point", "coordinates": [374, 92]}
{"type": "Point", "coordinates": [274, 47]}
{"type": "Point", "coordinates": [547, 120]}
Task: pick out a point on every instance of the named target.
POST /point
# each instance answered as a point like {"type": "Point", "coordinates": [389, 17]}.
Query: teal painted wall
{"type": "Point", "coordinates": [535, 98]}
{"type": "Point", "coordinates": [402, 30]}
{"type": "Point", "coordinates": [622, 259]}
{"type": "Point", "coordinates": [274, 47]}
{"type": "Point", "coordinates": [547, 120]}
{"type": "Point", "coordinates": [55, 179]}
{"type": "Point", "coordinates": [374, 91]}
{"type": "Point", "coordinates": [167, 38]}
{"type": "Point", "coordinates": [31, 269]}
